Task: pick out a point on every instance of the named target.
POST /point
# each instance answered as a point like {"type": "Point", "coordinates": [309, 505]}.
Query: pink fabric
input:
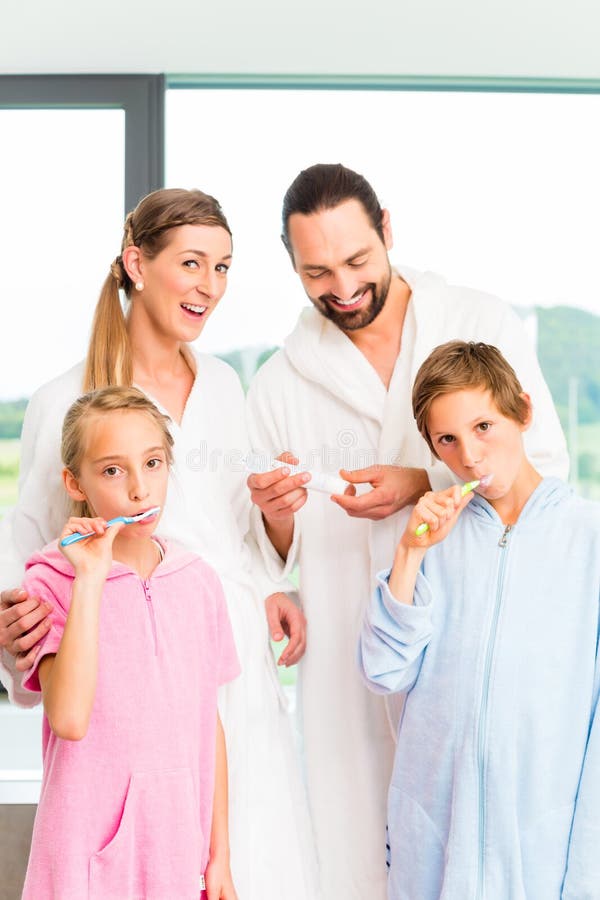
{"type": "Point", "coordinates": [126, 812]}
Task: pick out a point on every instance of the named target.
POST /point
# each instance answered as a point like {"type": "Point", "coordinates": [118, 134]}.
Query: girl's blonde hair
{"type": "Point", "coordinates": [109, 399]}
{"type": "Point", "coordinates": [462, 365]}
{"type": "Point", "coordinates": [147, 226]}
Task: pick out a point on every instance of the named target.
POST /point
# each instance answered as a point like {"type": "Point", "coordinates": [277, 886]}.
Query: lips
{"type": "Point", "coordinates": [347, 306]}
{"type": "Point", "coordinates": [193, 309]}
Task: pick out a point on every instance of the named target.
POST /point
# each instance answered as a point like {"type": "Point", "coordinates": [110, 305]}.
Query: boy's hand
{"type": "Point", "coordinates": [94, 555]}
{"type": "Point", "coordinates": [219, 883]}
{"type": "Point", "coordinates": [440, 510]}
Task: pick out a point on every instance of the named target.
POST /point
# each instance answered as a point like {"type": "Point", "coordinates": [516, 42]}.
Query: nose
{"type": "Point", "coordinates": [137, 487]}
{"type": "Point", "coordinates": [343, 284]}
{"type": "Point", "coordinates": [470, 453]}
{"type": "Point", "coordinates": [209, 283]}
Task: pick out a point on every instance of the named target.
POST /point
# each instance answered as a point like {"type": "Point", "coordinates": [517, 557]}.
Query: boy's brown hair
{"type": "Point", "coordinates": [462, 365]}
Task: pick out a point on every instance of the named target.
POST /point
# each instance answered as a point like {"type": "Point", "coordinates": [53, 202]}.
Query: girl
{"type": "Point", "coordinates": [172, 269]}
{"type": "Point", "coordinates": [130, 728]}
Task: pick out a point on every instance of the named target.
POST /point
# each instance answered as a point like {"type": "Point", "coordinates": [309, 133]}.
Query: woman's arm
{"type": "Point", "coordinates": [219, 884]}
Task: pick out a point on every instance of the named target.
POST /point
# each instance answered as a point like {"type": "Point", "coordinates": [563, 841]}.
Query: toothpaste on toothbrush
{"type": "Point", "coordinates": [258, 463]}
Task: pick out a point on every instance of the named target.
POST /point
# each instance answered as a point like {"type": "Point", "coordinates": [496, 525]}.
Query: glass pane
{"type": "Point", "coordinates": [496, 191]}
{"type": "Point", "coordinates": [62, 199]}
{"type": "Point", "coordinates": [62, 189]}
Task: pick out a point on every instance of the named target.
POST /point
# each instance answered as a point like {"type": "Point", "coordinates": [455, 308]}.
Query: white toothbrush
{"type": "Point", "coordinates": [78, 536]}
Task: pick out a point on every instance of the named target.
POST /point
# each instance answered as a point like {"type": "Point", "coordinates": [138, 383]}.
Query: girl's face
{"type": "Point", "coordinates": [475, 439]}
{"type": "Point", "coordinates": [124, 470]}
{"type": "Point", "coordinates": [184, 283]}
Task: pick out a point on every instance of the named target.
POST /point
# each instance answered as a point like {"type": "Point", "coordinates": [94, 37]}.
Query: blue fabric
{"type": "Point", "coordinates": [495, 792]}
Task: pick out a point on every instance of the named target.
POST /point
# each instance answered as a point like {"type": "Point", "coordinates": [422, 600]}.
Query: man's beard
{"type": "Point", "coordinates": [364, 315]}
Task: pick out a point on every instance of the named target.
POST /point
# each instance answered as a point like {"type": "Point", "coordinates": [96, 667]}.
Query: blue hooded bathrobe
{"type": "Point", "coordinates": [495, 793]}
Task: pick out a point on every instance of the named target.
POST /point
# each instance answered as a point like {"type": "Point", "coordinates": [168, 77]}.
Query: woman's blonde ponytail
{"type": "Point", "coordinates": [109, 354]}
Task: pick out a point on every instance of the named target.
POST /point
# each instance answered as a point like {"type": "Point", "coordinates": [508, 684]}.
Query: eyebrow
{"type": "Point", "coordinates": [116, 457]}
{"type": "Point", "coordinates": [481, 418]}
{"type": "Point", "coordinates": [202, 253]}
{"type": "Point", "coordinates": [350, 259]}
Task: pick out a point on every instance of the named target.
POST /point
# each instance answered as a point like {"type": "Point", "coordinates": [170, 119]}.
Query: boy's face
{"type": "Point", "coordinates": [474, 439]}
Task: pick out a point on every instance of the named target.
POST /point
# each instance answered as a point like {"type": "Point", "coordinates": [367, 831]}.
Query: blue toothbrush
{"type": "Point", "coordinates": [78, 536]}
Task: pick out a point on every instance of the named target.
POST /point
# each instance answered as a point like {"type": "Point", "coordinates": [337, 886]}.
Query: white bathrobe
{"type": "Point", "coordinates": [207, 510]}
{"type": "Point", "coordinates": [321, 398]}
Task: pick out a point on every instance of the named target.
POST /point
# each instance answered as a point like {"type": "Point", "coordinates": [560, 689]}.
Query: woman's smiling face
{"type": "Point", "coordinates": [184, 282]}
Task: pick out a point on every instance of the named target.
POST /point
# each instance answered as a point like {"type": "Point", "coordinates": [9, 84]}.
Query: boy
{"type": "Point", "coordinates": [488, 621]}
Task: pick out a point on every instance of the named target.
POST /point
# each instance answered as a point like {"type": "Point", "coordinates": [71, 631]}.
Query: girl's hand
{"type": "Point", "coordinates": [440, 510]}
{"type": "Point", "coordinates": [94, 555]}
{"type": "Point", "coordinates": [219, 883]}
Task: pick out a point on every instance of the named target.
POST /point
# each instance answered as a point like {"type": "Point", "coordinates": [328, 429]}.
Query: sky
{"type": "Point", "coordinates": [495, 191]}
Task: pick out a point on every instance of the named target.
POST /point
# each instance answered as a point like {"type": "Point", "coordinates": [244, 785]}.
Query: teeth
{"type": "Point", "coordinates": [351, 301]}
{"type": "Point", "coordinates": [196, 309]}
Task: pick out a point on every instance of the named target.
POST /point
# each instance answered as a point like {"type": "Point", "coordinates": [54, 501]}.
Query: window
{"type": "Point", "coordinates": [498, 191]}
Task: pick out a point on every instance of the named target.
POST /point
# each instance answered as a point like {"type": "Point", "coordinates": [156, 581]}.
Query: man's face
{"type": "Point", "coordinates": [342, 263]}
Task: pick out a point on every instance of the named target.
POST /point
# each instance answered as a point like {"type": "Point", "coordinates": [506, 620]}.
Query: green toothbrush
{"type": "Point", "coordinates": [465, 489]}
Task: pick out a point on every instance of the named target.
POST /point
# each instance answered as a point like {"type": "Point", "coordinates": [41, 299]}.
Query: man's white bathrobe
{"type": "Point", "coordinates": [320, 398]}
{"type": "Point", "coordinates": [207, 510]}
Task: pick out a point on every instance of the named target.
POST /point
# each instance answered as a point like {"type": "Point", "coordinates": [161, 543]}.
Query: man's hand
{"type": "Point", "coordinates": [24, 621]}
{"type": "Point", "coordinates": [279, 495]}
{"type": "Point", "coordinates": [285, 618]}
{"type": "Point", "coordinates": [394, 487]}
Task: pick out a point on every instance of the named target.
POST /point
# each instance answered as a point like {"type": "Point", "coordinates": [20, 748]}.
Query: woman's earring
{"type": "Point", "coordinates": [139, 285]}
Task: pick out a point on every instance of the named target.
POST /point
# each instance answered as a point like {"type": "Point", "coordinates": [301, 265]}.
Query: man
{"type": "Point", "coordinates": [338, 396]}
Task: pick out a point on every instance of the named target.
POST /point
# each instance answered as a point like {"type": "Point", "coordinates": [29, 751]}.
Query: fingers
{"type": "Point", "coordinates": [294, 651]}
{"type": "Point", "coordinates": [435, 509]}
{"type": "Point", "coordinates": [24, 661]}
{"type": "Point", "coordinates": [274, 618]}
{"type": "Point", "coordinates": [285, 618]}
{"type": "Point", "coordinates": [278, 494]}
{"type": "Point", "coordinates": [370, 475]}
{"type": "Point", "coordinates": [83, 525]}
{"type": "Point", "coordinates": [10, 597]}
{"type": "Point", "coordinates": [295, 628]}
{"type": "Point", "coordinates": [375, 504]}
{"type": "Point", "coordinates": [23, 624]}
{"type": "Point", "coordinates": [288, 457]}
{"type": "Point", "coordinates": [113, 531]}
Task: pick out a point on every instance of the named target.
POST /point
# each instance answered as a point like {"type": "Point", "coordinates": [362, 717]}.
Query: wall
{"type": "Point", "coordinates": [520, 38]}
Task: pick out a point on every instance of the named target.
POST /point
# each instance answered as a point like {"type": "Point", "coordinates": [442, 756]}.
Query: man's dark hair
{"type": "Point", "coordinates": [325, 186]}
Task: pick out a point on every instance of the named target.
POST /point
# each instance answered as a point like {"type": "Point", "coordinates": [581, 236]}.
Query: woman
{"type": "Point", "coordinates": [173, 265]}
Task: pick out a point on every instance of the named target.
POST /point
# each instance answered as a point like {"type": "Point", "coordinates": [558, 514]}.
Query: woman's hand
{"type": "Point", "coordinates": [24, 621]}
{"type": "Point", "coordinates": [285, 618]}
{"type": "Point", "coordinates": [92, 557]}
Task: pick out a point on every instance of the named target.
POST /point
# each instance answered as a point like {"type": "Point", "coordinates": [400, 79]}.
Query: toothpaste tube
{"type": "Point", "coordinates": [259, 463]}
